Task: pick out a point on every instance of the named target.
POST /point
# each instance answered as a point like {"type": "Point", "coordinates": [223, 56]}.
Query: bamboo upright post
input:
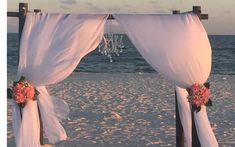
{"type": "Point", "coordinates": [179, 128]}
{"type": "Point", "coordinates": [39, 113]}
{"type": "Point", "coordinates": [178, 124]}
{"type": "Point", "coordinates": [195, 139]}
{"type": "Point", "coordinates": [21, 15]}
{"type": "Point", "coordinates": [23, 9]}
{"type": "Point", "coordinates": [197, 10]}
{"type": "Point", "coordinates": [110, 16]}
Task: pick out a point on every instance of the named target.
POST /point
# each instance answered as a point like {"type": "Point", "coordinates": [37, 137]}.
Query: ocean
{"type": "Point", "coordinates": [130, 61]}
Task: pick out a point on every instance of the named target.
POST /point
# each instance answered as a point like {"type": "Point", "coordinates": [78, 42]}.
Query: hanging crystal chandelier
{"type": "Point", "coordinates": [111, 44]}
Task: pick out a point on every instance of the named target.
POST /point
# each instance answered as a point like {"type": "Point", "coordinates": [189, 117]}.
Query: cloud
{"type": "Point", "coordinates": [153, 2]}
{"type": "Point", "coordinates": [133, 11]}
{"type": "Point", "coordinates": [228, 11]}
{"type": "Point", "coordinates": [97, 9]}
{"type": "Point", "coordinates": [127, 5]}
{"type": "Point", "coordinates": [173, 8]}
{"type": "Point", "coordinates": [113, 9]}
{"type": "Point", "coordinates": [161, 12]}
{"type": "Point", "coordinates": [93, 7]}
{"type": "Point", "coordinates": [213, 17]}
{"type": "Point", "coordinates": [156, 6]}
{"type": "Point", "coordinates": [65, 8]}
{"type": "Point", "coordinates": [68, 2]}
{"type": "Point", "coordinates": [88, 4]}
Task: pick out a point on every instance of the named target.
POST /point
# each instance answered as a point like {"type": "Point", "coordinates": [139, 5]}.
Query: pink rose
{"type": "Point", "coordinates": [19, 86]}
{"type": "Point", "coordinates": [199, 94]}
{"type": "Point", "coordinates": [30, 92]}
{"type": "Point", "coordinates": [19, 97]}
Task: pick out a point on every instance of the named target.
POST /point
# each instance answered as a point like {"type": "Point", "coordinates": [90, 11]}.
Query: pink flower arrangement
{"type": "Point", "coordinates": [23, 91]}
{"type": "Point", "coordinates": [199, 95]}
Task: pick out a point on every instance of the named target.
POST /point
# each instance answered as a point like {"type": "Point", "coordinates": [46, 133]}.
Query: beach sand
{"type": "Point", "coordinates": [132, 110]}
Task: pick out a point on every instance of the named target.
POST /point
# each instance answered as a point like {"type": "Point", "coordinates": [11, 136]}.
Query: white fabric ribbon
{"type": "Point", "coordinates": [27, 130]}
{"type": "Point", "coordinates": [53, 129]}
{"type": "Point", "coordinates": [204, 130]}
{"type": "Point", "coordinates": [185, 115]}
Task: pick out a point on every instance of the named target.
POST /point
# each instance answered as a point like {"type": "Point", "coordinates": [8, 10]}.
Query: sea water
{"type": "Point", "coordinates": [130, 61]}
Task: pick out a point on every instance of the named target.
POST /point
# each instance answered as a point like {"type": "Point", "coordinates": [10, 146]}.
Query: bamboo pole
{"type": "Point", "coordinates": [37, 10]}
{"type": "Point", "coordinates": [12, 14]}
{"type": "Point", "coordinates": [197, 10]}
{"type": "Point", "coordinates": [195, 139]}
{"type": "Point", "coordinates": [178, 124]}
{"type": "Point", "coordinates": [110, 16]}
{"type": "Point", "coordinates": [179, 128]}
{"type": "Point", "coordinates": [21, 15]}
{"type": "Point", "coordinates": [23, 9]}
{"type": "Point", "coordinates": [176, 12]}
{"type": "Point", "coordinates": [39, 113]}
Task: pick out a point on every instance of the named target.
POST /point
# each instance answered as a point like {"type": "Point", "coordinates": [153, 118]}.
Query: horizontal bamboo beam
{"type": "Point", "coordinates": [12, 14]}
{"type": "Point", "coordinates": [23, 9]}
{"type": "Point", "coordinates": [16, 14]}
{"type": "Point", "coordinates": [197, 10]}
{"type": "Point", "coordinates": [204, 16]}
{"type": "Point", "coordinates": [37, 10]}
{"type": "Point", "coordinates": [176, 12]}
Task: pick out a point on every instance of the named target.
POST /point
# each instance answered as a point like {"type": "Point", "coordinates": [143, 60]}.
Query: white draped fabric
{"type": "Point", "coordinates": [177, 46]}
{"type": "Point", "coordinates": [51, 47]}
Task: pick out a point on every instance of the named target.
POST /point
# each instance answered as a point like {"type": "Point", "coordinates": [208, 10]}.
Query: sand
{"type": "Point", "coordinates": [132, 110]}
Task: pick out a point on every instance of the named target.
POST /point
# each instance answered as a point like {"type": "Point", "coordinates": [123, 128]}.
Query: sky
{"type": "Point", "coordinates": [221, 12]}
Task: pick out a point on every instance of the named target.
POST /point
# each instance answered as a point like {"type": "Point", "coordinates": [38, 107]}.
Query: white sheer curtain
{"type": "Point", "coordinates": [176, 46]}
{"type": "Point", "coordinates": [51, 47]}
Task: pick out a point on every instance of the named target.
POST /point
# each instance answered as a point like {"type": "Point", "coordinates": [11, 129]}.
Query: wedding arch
{"type": "Point", "coordinates": [52, 45]}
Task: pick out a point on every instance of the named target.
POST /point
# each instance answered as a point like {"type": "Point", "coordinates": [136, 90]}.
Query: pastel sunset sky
{"type": "Point", "coordinates": [221, 12]}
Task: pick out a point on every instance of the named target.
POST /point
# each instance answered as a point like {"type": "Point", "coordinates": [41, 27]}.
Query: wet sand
{"type": "Point", "coordinates": [132, 110]}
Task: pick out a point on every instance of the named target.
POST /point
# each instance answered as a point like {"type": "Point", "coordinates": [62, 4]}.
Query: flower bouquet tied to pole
{"type": "Point", "coordinates": [22, 91]}
{"type": "Point", "coordinates": [199, 95]}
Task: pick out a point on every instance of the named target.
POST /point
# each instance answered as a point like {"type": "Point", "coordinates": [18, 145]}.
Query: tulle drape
{"type": "Point", "coordinates": [177, 46]}
{"type": "Point", "coordinates": [51, 47]}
